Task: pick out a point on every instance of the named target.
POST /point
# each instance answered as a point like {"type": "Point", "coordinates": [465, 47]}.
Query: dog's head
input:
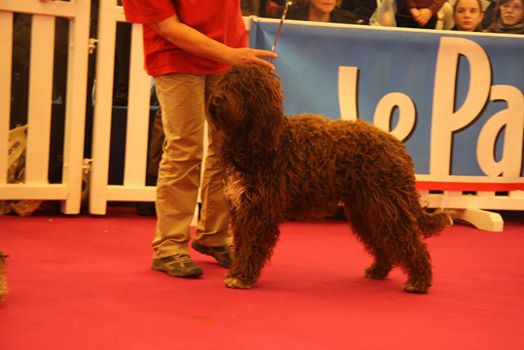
{"type": "Point", "coordinates": [247, 102]}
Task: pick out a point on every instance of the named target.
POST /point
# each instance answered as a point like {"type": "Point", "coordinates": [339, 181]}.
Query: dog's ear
{"type": "Point", "coordinates": [266, 114]}
{"type": "Point", "coordinates": [265, 128]}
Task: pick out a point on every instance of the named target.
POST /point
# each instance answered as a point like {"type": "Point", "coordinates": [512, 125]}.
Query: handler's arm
{"type": "Point", "coordinates": [191, 40]}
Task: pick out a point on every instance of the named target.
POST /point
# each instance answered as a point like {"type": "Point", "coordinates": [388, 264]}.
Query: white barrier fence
{"type": "Point", "coordinates": [133, 188]}
{"type": "Point", "coordinates": [36, 185]}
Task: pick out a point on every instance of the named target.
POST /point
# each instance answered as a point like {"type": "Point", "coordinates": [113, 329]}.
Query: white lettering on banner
{"type": "Point", "coordinates": [406, 118]}
{"type": "Point", "coordinates": [510, 163]}
{"type": "Point", "coordinates": [445, 119]}
{"type": "Point", "coordinates": [347, 88]}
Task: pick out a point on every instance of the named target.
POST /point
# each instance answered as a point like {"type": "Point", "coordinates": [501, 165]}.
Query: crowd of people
{"type": "Point", "coordinates": [495, 16]}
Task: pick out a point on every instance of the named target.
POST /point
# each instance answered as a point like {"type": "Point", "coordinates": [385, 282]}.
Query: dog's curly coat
{"type": "Point", "coordinates": [4, 289]}
{"type": "Point", "coordinates": [277, 167]}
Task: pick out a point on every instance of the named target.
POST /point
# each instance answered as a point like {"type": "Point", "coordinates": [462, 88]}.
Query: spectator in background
{"type": "Point", "coordinates": [250, 7]}
{"type": "Point", "coordinates": [384, 14]}
{"type": "Point", "coordinates": [320, 11]}
{"type": "Point", "coordinates": [468, 15]}
{"type": "Point", "coordinates": [509, 17]}
{"type": "Point", "coordinates": [489, 13]}
{"type": "Point", "coordinates": [418, 13]}
{"type": "Point", "coordinates": [445, 17]}
{"type": "Point", "coordinates": [271, 8]}
{"type": "Point", "coordinates": [362, 9]}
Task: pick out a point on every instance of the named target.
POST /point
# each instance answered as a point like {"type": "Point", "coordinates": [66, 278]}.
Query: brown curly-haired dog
{"type": "Point", "coordinates": [3, 280]}
{"type": "Point", "coordinates": [277, 167]}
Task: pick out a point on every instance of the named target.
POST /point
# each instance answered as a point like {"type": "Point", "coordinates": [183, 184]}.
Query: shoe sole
{"type": "Point", "coordinates": [194, 274]}
{"type": "Point", "coordinates": [206, 251]}
{"type": "Point", "coordinates": [201, 249]}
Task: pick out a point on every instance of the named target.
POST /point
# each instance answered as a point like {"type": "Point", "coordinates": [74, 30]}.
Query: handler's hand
{"type": "Point", "coordinates": [246, 55]}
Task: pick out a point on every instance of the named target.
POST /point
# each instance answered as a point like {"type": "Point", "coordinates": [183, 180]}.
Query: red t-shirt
{"type": "Point", "coordinates": [220, 20]}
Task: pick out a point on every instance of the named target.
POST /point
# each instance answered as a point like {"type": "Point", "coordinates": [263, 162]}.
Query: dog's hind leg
{"type": "Point", "coordinates": [414, 256]}
{"type": "Point", "coordinates": [416, 262]}
{"type": "Point", "coordinates": [382, 264]}
{"type": "Point", "coordinates": [380, 268]}
{"type": "Point", "coordinates": [409, 252]}
{"type": "Point", "coordinates": [392, 236]}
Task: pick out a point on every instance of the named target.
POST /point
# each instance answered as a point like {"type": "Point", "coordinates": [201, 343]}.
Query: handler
{"type": "Point", "coordinates": [186, 43]}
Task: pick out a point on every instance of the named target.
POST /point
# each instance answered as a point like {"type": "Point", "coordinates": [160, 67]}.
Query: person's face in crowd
{"type": "Point", "coordinates": [468, 15]}
{"type": "Point", "coordinates": [511, 12]}
{"type": "Point", "coordinates": [324, 6]}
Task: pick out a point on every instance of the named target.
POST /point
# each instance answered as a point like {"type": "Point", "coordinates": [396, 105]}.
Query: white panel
{"type": "Point", "coordinates": [474, 202]}
{"type": "Point", "coordinates": [6, 47]}
{"type": "Point", "coordinates": [40, 94]}
{"type": "Point", "coordinates": [486, 194]}
{"type": "Point", "coordinates": [75, 108]}
{"type": "Point", "coordinates": [137, 113]}
{"type": "Point", "coordinates": [103, 108]}
{"type": "Point", "coordinates": [131, 193]}
{"type": "Point", "coordinates": [517, 195]}
{"type": "Point", "coordinates": [28, 191]}
{"type": "Point", "coordinates": [119, 13]}
{"type": "Point", "coordinates": [52, 8]}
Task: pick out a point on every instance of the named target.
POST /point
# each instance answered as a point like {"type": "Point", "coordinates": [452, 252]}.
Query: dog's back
{"type": "Point", "coordinates": [343, 152]}
{"type": "Point", "coordinates": [336, 160]}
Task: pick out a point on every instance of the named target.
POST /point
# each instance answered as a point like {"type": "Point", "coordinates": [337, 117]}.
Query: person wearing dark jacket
{"type": "Point", "coordinates": [320, 11]}
{"type": "Point", "coordinates": [362, 9]}
{"type": "Point", "coordinates": [418, 13]}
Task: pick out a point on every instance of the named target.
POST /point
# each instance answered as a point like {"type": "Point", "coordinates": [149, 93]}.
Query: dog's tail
{"type": "Point", "coordinates": [432, 221]}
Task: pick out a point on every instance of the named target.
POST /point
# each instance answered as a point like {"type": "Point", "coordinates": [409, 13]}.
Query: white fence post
{"type": "Point", "coordinates": [6, 46]}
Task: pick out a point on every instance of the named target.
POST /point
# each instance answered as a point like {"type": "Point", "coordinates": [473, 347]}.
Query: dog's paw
{"type": "Point", "coordinates": [416, 289]}
{"type": "Point", "coordinates": [233, 282]}
{"type": "Point", "coordinates": [376, 272]}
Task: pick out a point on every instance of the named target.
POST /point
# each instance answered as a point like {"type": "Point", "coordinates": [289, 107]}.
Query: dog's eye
{"type": "Point", "coordinates": [216, 100]}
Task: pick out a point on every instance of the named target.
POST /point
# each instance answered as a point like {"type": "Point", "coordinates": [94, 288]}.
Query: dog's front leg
{"type": "Point", "coordinates": [255, 234]}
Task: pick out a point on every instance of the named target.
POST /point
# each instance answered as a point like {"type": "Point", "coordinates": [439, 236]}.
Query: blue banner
{"type": "Point", "coordinates": [455, 99]}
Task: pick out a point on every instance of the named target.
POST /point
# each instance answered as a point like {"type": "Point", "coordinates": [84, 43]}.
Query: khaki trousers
{"type": "Point", "coordinates": [182, 100]}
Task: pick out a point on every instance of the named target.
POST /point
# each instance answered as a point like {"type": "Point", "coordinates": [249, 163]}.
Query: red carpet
{"type": "Point", "coordinates": [85, 283]}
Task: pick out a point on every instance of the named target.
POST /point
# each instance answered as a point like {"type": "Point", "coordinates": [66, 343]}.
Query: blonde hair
{"type": "Point", "coordinates": [479, 2]}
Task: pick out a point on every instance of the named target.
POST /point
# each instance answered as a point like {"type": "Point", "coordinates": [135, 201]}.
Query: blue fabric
{"type": "Point", "coordinates": [388, 61]}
